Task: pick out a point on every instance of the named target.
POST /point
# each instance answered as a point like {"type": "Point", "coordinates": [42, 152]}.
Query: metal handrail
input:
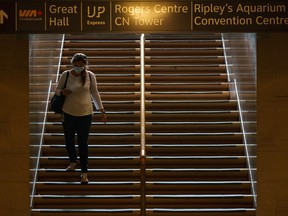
{"type": "Point", "coordinates": [40, 145]}
{"type": "Point", "coordinates": [233, 85]}
{"type": "Point", "coordinates": [60, 58]}
{"type": "Point", "coordinates": [142, 127]}
{"type": "Point", "coordinates": [44, 124]}
{"type": "Point", "coordinates": [142, 75]}
{"type": "Point", "coordinates": [245, 142]}
{"type": "Point", "coordinates": [225, 57]}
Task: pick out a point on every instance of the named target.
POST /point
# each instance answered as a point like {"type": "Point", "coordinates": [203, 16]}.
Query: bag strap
{"type": "Point", "coordinates": [90, 80]}
{"type": "Point", "coordinates": [66, 79]}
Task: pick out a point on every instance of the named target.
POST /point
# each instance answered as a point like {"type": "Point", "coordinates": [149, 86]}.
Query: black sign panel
{"type": "Point", "coordinates": [63, 16]}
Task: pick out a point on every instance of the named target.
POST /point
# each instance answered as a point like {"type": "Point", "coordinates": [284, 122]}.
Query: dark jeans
{"type": "Point", "coordinates": [81, 126]}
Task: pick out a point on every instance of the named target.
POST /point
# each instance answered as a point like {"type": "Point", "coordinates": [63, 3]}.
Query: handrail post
{"type": "Point", "coordinates": [142, 128]}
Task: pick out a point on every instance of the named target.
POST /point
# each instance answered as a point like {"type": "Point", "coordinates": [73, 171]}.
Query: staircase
{"type": "Point", "coordinates": [114, 148]}
{"type": "Point", "coordinates": [195, 163]}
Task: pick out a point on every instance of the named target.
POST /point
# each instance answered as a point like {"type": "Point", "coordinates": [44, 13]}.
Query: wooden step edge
{"type": "Point", "coordinates": [70, 210]}
{"type": "Point", "coordinates": [164, 211]}
{"type": "Point", "coordinates": [156, 182]}
{"type": "Point", "coordinates": [199, 182]}
{"type": "Point", "coordinates": [92, 157]}
{"type": "Point", "coordinates": [148, 157]}
{"type": "Point", "coordinates": [91, 183]}
{"type": "Point", "coordinates": [118, 122]}
{"type": "Point", "coordinates": [192, 101]}
{"type": "Point", "coordinates": [184, 92]}
{"type": "Point", "coordinates": [192, 134]}
{"type": "Point", "coordinates": [189, 123]}
{"type": "Point", "coordinates": [187, 65]}
{"type": "Point", "coordinates": [198, 196]}
{"type": "Point", "coordinates": [203, 170]}
{"type": "Point", "coordinates": [101, 41]}
{"type": "Point", "coordinates": [191, 210]}
{"type": "Point", "coordinates": [158, 145]}
{"type": "Point", "coordinates": [96, 134]}
{"type": "Point", "coordinates": [90, 170]}
{"type": "Point", "coordinates": [112, 170]}
{"type": "Point", "coordinates": [126, 196]}
{"type": "Point", "coordinates": [91, 146]}
{"type": "Point", "coordinates": [158, 112]}
{"type": "Point", "coordinates": [197, 157]}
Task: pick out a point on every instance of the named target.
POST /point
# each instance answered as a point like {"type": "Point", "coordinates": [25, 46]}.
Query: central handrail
{"type": "Point", "coordinates": [142, 81]}
{"type": "Point", "coordinates": [142, 127]}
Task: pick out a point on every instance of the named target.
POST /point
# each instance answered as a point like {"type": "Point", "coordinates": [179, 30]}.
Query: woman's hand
{"type": "Point", "coordinates": [103, 116]}
{"type": "Point", "coordinates": [66, 92]}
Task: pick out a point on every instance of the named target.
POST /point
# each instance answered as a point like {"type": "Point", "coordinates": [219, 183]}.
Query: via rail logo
{"type": "Point", "coordinates": [30, 15]}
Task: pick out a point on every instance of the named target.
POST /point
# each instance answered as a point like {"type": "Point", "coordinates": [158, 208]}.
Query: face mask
{"type": "Point", "coordinates": [78, 69]}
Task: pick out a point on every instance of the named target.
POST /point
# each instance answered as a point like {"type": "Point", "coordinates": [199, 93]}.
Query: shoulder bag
{"type": "Point", "coordinates": [57, 101]}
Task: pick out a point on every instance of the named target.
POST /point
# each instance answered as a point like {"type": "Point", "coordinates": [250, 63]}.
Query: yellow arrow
{"type": "Point", "coordinates": [2, 16]}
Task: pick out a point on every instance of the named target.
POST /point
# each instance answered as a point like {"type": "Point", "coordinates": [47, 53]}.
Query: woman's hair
{"type": "Point", "coordinates": [81, 57]}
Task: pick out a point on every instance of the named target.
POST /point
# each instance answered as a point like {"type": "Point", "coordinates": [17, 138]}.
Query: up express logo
{"type": "Point", "coordinates": [95, 12]}
{"type": "Point", "coordinates": [97, 15]}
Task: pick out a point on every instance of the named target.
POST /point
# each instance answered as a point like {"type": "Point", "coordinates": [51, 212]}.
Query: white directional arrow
{"type": "Point", "coordinates": [2, 16]}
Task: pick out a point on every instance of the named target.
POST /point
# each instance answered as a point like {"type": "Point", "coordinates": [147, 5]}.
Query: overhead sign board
{"type": "Point", "coordinates": [58, 16]}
